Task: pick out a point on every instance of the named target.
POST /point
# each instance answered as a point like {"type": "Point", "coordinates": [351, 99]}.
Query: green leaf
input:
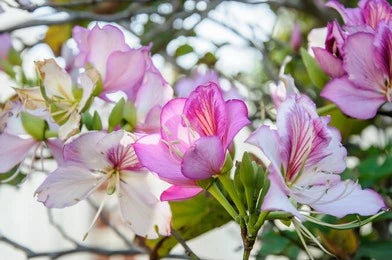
{"type": "Point", "coordinates": [33, 125]}
{"type": "Point", "coordinates": [14, 57]}
{"type": "Point", "coordinates": [16, 179]}
{"type": "Point", "coordinates": [183, 49]}
{"type": "Point", "coordinates": [129, 113]}
{"type": "Point", "coordinates": [87, 120]}
{"type": "Point", "coordinates": [116, 115]}
{"type": "Point", "coordinates": [316, 74]}
{"type": "Point", "coordinates": [378, 250]}
{"type": "Point", "coordinates": [209, 59]}
{"type": "Point", "coordinates": [96, 122]}
{"type": "Point", "coordinates": [191, 218]}
{"type": "Point", "coordinates": [273, 243]}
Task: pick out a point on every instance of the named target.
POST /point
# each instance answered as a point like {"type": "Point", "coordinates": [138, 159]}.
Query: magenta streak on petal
{"type": "Point", "coordinates": [376, 11]}
{"type": "Point", "coordinates": [123, 157]}
{"type": "Point", "coordinates": [205, 110]}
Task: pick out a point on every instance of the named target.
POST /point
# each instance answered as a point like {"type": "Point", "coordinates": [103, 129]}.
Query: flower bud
{"type": "Point", "coordinates": [33, 125]}
{"type": "Point", "coordinates": [116, 115]}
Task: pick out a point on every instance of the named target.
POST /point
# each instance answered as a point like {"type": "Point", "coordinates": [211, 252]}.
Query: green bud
{"type": "Point", "coordinates": [33, 125]}
{"type": "Point", "coordinates": [98, 88]}
{"type": "Point", "coordinates": [96, 122]}
{"type": "Point", "coordinates": [227, 165]}
{"type": "Point", "coordinates": [87, 120]}
{"type": "Point", "coordinates": [14, 57]}
{"type": "Point", "coordinates": [116, 115]}
{"type": "Point", "coordinates": [129, 113]}
{"type": "Point", "coordinates": [238, 184]}
{"type": "Point", "coordinates": [247, 171]}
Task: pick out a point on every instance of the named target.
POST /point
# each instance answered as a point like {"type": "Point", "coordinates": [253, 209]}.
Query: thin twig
{"type": "Point", "coordinates": [180, 240]}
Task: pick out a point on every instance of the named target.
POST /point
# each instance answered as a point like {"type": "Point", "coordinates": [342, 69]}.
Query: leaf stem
{"type": "Point", "coordinates": [215, 191]}
{"type": "Point", "coordinates": [229, 187]}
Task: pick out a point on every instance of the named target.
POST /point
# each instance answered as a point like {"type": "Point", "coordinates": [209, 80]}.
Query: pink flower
{"type": "Point", "coordinates": [368, 83]}
{"type": "Point", "coordinates": [195, 135]}
{"type": "Point", "coordinates": [296, 37]}
{"type": "Point", "coordinates": [306, 158]}
{"type": "Point", "coordinates": [94, 159]}
{"type": "Point", "coordinates": [123, 68]}
{"type": "Point", "coordinates": [366, 16]}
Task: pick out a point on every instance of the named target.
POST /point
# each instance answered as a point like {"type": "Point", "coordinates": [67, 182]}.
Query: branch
{"type": "Point", "coordinates": [73, 16]}
{"type": "Point", "coordinates": [180, 240]}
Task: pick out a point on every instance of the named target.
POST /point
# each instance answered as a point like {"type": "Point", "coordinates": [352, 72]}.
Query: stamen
{"type": "Point", "coordinates": [96, 217]}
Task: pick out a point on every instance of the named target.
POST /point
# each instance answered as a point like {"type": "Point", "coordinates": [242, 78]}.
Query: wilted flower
{"type": "Point", "coordinates": [195, 135]}
{"type": "Point", "coordinates": [94, 159]}
{"type": "Point", "coordinates": [306, 158]}
{"type": "Point", "coordinates": [65, 100]}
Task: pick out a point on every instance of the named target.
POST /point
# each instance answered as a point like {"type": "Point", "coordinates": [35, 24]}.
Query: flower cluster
{"type": "Point", "coordinates": [357, 56]}
{"type": "Point", "coordinates": [152, 147]}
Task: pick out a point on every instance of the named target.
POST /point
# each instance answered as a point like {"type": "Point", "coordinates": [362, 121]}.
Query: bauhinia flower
{"type": "Point", "coordinates": [368, 80]}
{"type": "Point", "coordinates": [125, 69]}
{"type": "Point", "coordinates": [306, 158]}
{"type": "Point", "coordinates": [65, 99]}
{"type": "Point", "coordinates": [96, 159]}
{"type": "Point", "coordinates": [195, 135]}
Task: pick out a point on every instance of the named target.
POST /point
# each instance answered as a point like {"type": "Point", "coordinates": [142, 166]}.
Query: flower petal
{"type": "Point", "coordinates": [156, 156]}
{"type": "Point", "coordinates": [56, 81]}
{"type": "Point", "coordinates": [237, 118]}
{"type": "Point", "coordinates": [140, 207]}
{"type": "Point", "coordinates": [342, 199]}
{"type": "Point", "coordinates": [276, 198]}
{"type": "Point", "coordinates": [204, 159]}
{"type": "Point", "coordinates": [268, 141]}
{"type": "Point", "coordinates": [56, 148]}
{"type": "Point", "coordinates": [13, 150]}
{"type": "Point", "coordinates": [124, 71]}
{"type": "Point", "coordinates": [101, 43]}
{"type": "Point", "coordinates": [180, 193]}
{"type": "Point", "coordinates": [67, 186]}
{"type": "Point", "coordinates": [351, 16]}
{"type": "Point", "coordinates": [206, 111]}
{"type": "Point", "coordinates": [82, 150]}
{"type": "Point", "coordinates": [172, 127]}
{"type": "Point", "coordinates": [359, 62]}
{"type": "Point", "coordinates": [152, 93]}
{"type": "Point", "coordinates": [330, 64]}
{"type": "Point", "coordinates": [349, 97]}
